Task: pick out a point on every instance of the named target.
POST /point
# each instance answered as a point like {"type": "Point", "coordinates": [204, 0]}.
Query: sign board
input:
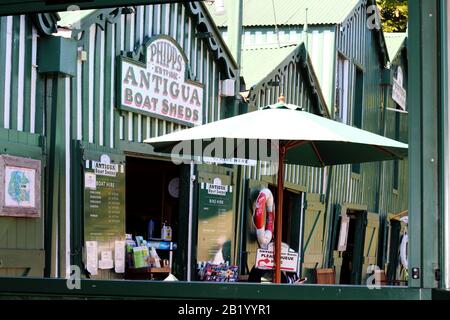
{"type": "Point", "coordinates": [265, 259]}
{"type": "Point", "coordinates": [215, 222]}
{"type": "Point", "coordinates": [398, 92]}
{"type": "Point", "coordinates": [20, 187]}
{"type": "Point", "coordinates": [104, 202]}
{"type": "Point", "coordinates": [158, 86]}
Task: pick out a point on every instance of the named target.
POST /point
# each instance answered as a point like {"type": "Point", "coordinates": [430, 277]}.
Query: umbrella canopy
{"type": "Point", "coordinates": [301, 138]}
{"type": "Point", "coordinates": [321, 141]}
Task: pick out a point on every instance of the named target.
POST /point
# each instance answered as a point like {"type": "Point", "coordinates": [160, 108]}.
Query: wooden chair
{"type": "Point", "coordinates": [380, 278]}
{"type": "Point", "coordinates": [325, 276]}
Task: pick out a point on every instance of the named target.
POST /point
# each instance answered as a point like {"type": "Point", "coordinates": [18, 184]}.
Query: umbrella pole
{"type": "Point", "coordinates": [279, 213]}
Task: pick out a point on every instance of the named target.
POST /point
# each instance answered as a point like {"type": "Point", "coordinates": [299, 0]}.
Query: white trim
{"type": "Point", "coordinates": [132, 31]}
{"type": "Point", "coordinates": [79, 98]}
{"type": "Point", "coordinates": [206, 81]}
{"type": "Point", "coordinates": [150, 20]}
{"type": "Point", "coordinates": [67, 177]}
{"type": "Point", "coordinates": [130, 126]}
{"type": "Point", "coordinates": [139, 128]}
{"type": "Point", "coordinates": [92, 32]}
{"type": "Point", "coordinates": [167, 20]}
{"type": "Point", "coordinates": [188, 52]}
{"type": "Point", "coordinates": [122, 32]}
{"type": "Point", "coordinates": [175, 22]}
{"type": "Point", "coordinates": [181, 40]}
{"type": "Point", "coordinates": [213, 93]}
{"type": "Point", "coordinates": [158, 19]}
{"type": "Point", "coordinates": [141, 25]}
{"type": "Point", "coordinates": [8, 62]}
{"type": "Point", "coordinates": [121, 127]}
{"type": "Point", "coordinates": [20, 75]}
{"type": "Point", "coordinates": [113, 60]}
{"type": "Point", "coordinates": [102, 89]}
{"type": "Point", "coordinates": [191, 204]}
{"type": "Point", "coordinates": [219, 100]}
{"type": "Point", "coordinates": [33, 79]}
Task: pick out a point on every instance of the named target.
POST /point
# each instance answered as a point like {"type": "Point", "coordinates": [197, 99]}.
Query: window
{"type": "Point", "coordinates": [341, 101]}
{"type": "Point", "coordinates": [358, 108]}
{"type": "Point", "coordinates": [396, 162]}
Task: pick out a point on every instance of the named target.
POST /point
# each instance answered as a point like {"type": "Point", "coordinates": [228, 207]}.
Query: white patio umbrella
{"type": "Point", "coordinates": [300, 137]}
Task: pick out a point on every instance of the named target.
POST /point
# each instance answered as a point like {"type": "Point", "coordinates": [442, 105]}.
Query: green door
{"type": "Point", "coordinates": [312, 255]}
{"type": "Point", "coordinates": [358, 253]}
{"type": "Point", "coordinates": [370, 243]}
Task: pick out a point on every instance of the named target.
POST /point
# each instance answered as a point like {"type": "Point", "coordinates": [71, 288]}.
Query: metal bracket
{"type": "Point", "coordinates": [415, 273]}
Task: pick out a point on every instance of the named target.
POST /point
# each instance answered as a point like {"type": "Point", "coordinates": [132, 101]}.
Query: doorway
{"type": "Point", "coordinates": [353, 255]}
{"type": "Point", "coordinates": [152, 193]}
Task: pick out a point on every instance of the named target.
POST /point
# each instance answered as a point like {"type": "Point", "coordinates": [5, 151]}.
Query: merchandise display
{"type": "Point", "coordinates": [218, 272]}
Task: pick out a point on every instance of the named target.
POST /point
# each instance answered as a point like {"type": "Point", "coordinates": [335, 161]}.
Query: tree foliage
{"type": "Point", "coordinates": [394, 15]}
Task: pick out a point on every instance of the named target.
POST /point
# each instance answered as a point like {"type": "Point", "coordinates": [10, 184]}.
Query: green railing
{"type": "Point", "coordinates": [122, 289]}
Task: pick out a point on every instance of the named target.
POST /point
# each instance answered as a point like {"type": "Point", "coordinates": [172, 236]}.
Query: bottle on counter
{"type": "Point", "coordinates": [166, 232]}
{"type": "Point", "coordinates": [151, 229]}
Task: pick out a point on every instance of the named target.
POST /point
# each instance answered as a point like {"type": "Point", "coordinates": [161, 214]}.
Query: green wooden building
{"type": "Point", "coordinates": [427, 105]}
{"type": "Point", "coordinates": [349, 58]}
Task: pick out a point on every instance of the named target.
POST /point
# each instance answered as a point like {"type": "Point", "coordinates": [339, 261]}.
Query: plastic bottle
{"type": "Point", "coordinates": [166, 232]}
{"type": "Point", "coordinates": [151, 229]}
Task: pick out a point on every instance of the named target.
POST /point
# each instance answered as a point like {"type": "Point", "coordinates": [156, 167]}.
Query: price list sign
{"type": "Point", "coordinates": [215, 221]}
{"type": "Point", "coordinates": [104, 202]}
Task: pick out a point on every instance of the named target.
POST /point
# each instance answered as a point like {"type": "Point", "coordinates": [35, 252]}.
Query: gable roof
{"type": "Point", "coordinates": [289, 12]}
{"type": "Point", "coordinates": [258, 62]}
{"type": "Point", "coordinates": [286, 55]}
{"type": "Point", "coordinates": [394, 42]}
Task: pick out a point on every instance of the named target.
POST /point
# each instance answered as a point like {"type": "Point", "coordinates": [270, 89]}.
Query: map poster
{"type": "Point", "coordinates": [215, 222]}
{"type": "Point", "coordinates": [20, 186]}
{"type": "Point", "coordinates": [20, 191]}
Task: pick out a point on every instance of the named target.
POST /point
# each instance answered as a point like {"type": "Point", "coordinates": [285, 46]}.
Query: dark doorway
{"type": "Point", "coordinates": [292, 206]}
{"type": "Point", "coordinates": [348, 254]}
{"type": "Point", "coordinates": [152, 192]}
{"type": "Point", "coordinates": [352, 257]}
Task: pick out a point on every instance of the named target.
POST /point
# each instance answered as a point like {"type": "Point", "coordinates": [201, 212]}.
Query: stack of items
{"type": "Point", "coordinates": [218, 272]}
{"type": "Point", "coordinates": [142, 253]}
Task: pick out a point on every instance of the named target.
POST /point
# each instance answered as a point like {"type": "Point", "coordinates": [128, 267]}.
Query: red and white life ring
{"type": "Point", "coordinates": [264, 228]}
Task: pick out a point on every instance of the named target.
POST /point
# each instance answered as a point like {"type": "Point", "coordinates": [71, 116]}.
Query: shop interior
{"type": "Point", "coordinates": [152, 203]}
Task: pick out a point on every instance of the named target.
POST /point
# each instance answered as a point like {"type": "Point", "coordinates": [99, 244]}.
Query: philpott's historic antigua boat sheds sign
{"type": "Point", "coordinates": [160, 87]}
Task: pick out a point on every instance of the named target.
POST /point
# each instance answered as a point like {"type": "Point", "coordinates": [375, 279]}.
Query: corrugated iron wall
{"type": "Point", "coordinates": [93, 89]}
{"type": "Point", "coordinates": [18, 76]}
{"type": "Point", "coordinates": [320, 43]}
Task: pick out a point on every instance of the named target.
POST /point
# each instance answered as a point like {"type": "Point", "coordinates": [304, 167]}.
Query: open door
{"type": "Point", "coordinates": [370, 243]}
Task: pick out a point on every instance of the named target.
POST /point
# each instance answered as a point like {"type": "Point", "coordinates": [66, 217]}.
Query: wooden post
{"type": "Point", "coordinates": [279, 213]}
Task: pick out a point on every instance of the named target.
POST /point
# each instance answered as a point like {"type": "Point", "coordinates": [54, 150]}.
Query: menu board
{"type": "Point", "coordinates": [104, 202]}
{"type": "Point", "coordinates": [215, 222]}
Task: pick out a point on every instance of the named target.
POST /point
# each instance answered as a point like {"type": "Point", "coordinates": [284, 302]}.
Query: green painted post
{"type": "Point", "coordinates": [444, 138]}
{"type": "Point", "coordinates": [423, 154]}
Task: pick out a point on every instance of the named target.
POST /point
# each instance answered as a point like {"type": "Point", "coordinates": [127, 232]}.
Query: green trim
{"type": "Point", "coordinates": [52, 288]}
{"type": "Point", "coordinates": [14, 73]}
{"type": "Point", "coordinates": [3, 24]}
{"type": "Point", "coordinates": [430, 93]}
{"type": "Point", "coordinates": [444, 127]}
{"type": "Point", "coordinates": [415, 132]}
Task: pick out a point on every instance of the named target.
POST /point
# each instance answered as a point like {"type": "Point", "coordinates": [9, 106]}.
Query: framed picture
{"type": "Point", "coordinates": [20, 187]}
